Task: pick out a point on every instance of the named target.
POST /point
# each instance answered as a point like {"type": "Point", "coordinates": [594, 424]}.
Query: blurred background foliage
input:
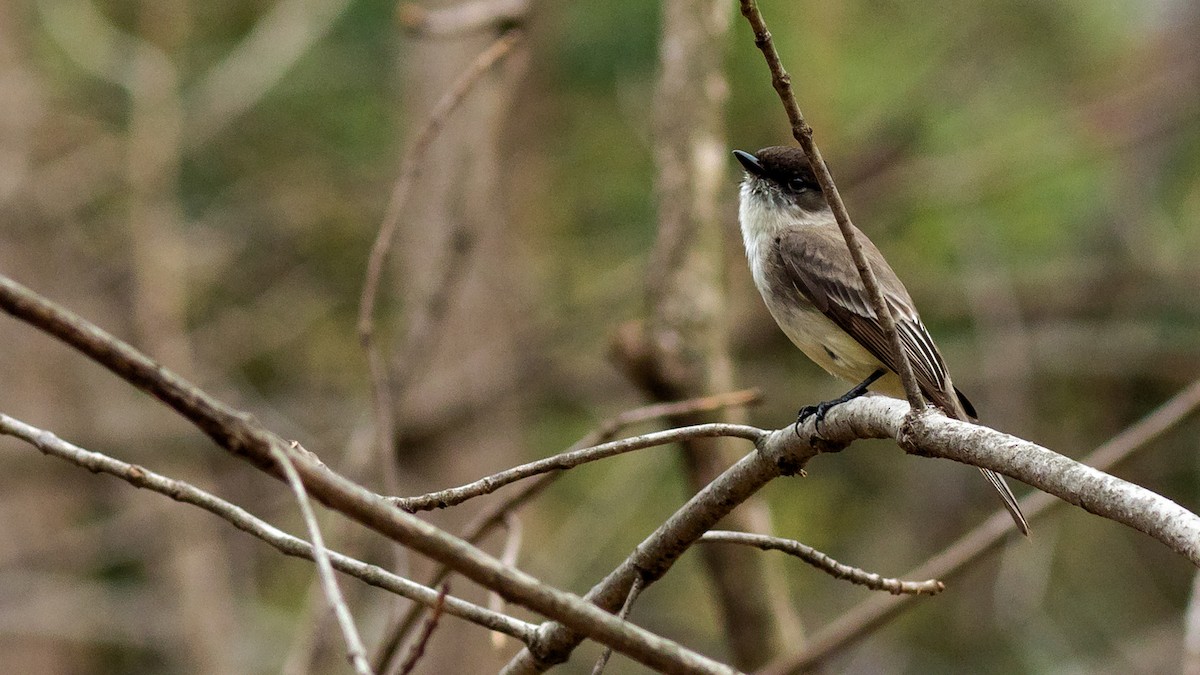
{"type": "Point", "coordinates": [1030, 169]}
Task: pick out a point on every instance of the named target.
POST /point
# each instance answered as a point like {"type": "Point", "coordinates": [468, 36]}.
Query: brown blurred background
{"type": "Point", "coordinates": [205, 181]}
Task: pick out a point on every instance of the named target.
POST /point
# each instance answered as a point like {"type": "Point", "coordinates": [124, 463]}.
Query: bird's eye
{"type": "Point", "coordinates": [799, 185]}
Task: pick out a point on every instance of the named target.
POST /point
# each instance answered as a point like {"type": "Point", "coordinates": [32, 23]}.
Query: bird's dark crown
{"type": "Point", "coordinates": [785, 165]}
{"type": "Point", "coordinates": [787, 171]}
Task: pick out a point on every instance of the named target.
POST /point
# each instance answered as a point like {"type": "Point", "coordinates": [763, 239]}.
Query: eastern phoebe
{"type": "Point", "coordinates": [803, 269]}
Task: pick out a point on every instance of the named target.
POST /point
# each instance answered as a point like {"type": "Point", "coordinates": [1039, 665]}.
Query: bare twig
{"type": "Point", "coordinates": [410, 166]}
{"type": "Point", "coordinates": [782, 82]}
{"type": "Point", "coordinates": [354, 646]}
{"type": "Point", "coordinates": [512, 549]}
{"type": "Point", "coordinates": [431, 623]}
{"type": "Point", "coordinates": [493, 516]}
{"type": "Point", "coordinates": [874, 612]}
{"type": "Point", "coordinates": [569, 460]}
{"type": "Point", "coordinates": [241, 435]}
{"type": "Point", "coordinates": [634, 591]}
{"type": "Point", "coordinates": [186, 493]}
{"type": "Point", "coordinates": [462, 18]}
{"type": "Point", "coordinates": [825, 563]}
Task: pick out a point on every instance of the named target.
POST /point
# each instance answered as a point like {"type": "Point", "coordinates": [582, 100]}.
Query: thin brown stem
{"type": "Point", "coordinates": [431, 624]}
{"type": "Point", "coordinates": [825, 563]}
{"type": "Point", "coordinates": [634, 591]}
{"type": "Point", "coordinates": [513, 537]}
{"type": "Point", "coordinates": [569, 460]}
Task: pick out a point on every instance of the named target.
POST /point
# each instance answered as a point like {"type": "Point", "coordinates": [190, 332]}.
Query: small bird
{"type": "Point", "coordinates": [804, 271]}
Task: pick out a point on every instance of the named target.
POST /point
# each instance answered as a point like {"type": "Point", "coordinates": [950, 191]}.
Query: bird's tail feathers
{"type": "Point", "coordinates": [1009, 499]}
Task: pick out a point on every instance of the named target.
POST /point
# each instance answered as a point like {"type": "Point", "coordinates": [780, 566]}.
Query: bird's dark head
{"type": "Point", "coordinates": [781, 176]}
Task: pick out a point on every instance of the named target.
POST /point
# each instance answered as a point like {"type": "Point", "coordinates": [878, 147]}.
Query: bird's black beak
{"type": "Point", "coordinates": [749, 162]}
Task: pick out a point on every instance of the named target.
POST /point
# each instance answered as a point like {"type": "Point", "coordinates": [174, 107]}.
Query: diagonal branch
{"type": "Point", "coordinates": [424, 326]}
{"type": "Point", "coordinates": [333, 594]}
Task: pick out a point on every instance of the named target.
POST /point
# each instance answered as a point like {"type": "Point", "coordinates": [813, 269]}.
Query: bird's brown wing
{"type": "Point", "coordinates": [819, 266]}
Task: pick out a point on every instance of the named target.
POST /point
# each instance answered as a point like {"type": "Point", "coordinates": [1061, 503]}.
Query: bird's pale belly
{"type": "Point", "coordinates": [831, 347]}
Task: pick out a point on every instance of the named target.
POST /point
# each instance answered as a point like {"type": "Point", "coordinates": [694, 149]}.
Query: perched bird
{"type": "Point", "coordinates": [807, 278]}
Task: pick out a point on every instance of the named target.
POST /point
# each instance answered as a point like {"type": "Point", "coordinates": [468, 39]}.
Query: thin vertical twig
{"type": "Point", "coordinates": [782, 82]}
{"type": "Point", "coordinates": [354, 646]}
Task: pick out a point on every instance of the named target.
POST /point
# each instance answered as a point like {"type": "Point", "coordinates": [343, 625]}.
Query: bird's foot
{"type": "Point", "coordinates": [821, 409]}
{"type": "Point", "coordinates": [817, 411]}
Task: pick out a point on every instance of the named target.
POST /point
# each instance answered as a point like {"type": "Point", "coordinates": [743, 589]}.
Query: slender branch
{"type": "Point", "coordinates": [354, 646]}
{"type": "Point", "coordinates": [512, 549]}
{"type": "Point", "coordinates": [410, 167]}
{"type": "Point", "coordinates": [431, 624]}
{"type": "Point", "coordinates": [975, 546]}
{"type": "Point", "coordinates": [634, 591]}
{"type": "Point", "coordinates": [241, 435]}
{"type": "Point", "coordinates": [782, 82]}
{"type": "Point", "coordinates": [825, 563]}
{"type": "Point", "coordinates": [186, 493]}
{"type": "Point", "coordinates": [569, 460]}
{"type": "Point", "coordinates": [493, 516]}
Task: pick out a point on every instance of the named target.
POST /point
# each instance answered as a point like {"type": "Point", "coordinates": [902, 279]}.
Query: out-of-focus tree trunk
{"type": "Point", "coordinates": [683, 349]}
{"type": "Point", "coordinates": [459, 195]}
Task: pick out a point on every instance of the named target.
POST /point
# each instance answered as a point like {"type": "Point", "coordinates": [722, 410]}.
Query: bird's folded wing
{"type": "Point", "coordinates": [819, 266]}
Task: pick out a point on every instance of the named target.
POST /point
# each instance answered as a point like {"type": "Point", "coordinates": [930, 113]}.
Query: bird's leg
{"type": "Point", "coordinates": [821, 409]}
